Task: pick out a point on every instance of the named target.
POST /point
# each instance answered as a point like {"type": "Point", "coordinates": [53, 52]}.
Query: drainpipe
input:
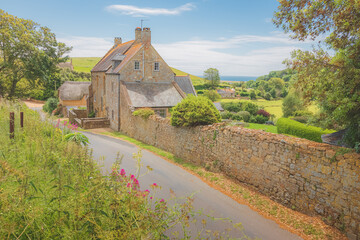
{"type": "Point", "coordinates": [119, 103]}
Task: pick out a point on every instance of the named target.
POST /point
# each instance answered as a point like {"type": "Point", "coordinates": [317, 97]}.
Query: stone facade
{"type": "Point", "coordinates": [136, 62]}
{"type": "Point", "coordinates": [298, 173]}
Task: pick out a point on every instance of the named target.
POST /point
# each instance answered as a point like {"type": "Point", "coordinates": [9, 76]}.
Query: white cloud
{"type": "Point", "coordinates": [196, 56]}
{"type": "Point", "coordinates": [243, 55]}
{"type": "Point", "coordinates": [139, 12]}
{"type": "Point", "coordinates": [87, 46]}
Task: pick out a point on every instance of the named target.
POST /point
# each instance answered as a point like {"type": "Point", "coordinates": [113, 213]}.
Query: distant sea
{"type": "Point", "coordinates": [237, 78]}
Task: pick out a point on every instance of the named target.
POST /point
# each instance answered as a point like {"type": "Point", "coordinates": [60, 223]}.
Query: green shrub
{"type": "Point", "coordinates": [301, 119]}
{"type": "Point", "coordinates": [232, 106]}
{"type": "Point", "coordinates": [212, 95]}
{"type": "Point", "coordinates": [288, 126]}
{"type": "Point", "coordinates": [261, 119]}
{"type": "Point", "coordinates": [245, 116]}
{"type": "Point", "coordinates": [199, 92]}
{"type": "Point", "coordinates": [252, 108]}
{"type": "Point", "coordinates": [145, 113]}
{"type": "Point", "coordinates": [302, 113]}
{"type": "Point", "coordinates": [226, 115]}
{"type": "Point", "coordinates": [193, 111]}
{"type": "Point", "coordinates": [267, 96]}
{"type": "Point", "coordinates": [244, 94]}
{"type": "Point", "coordinates": [50, 105]}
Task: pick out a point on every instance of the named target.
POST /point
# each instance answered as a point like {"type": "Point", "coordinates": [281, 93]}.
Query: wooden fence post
{"type": "Point", "coordinates": [12, 123]}
{"type": "Point", "coordinates": [22, 119]}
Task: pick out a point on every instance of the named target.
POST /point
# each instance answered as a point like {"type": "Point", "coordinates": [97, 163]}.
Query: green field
{"type": "Point", "coordinates": [266, 128]}
{"type": "Point", "coordinates": [84, 64]}
{"type": "Point", "coordinates": [273, 107]}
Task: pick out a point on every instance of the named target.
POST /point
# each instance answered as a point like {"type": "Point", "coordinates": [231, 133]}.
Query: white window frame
{"type": "Point", "coordinates": [137, 64]}
{"type": "Point", "coordinates": [156, 64]}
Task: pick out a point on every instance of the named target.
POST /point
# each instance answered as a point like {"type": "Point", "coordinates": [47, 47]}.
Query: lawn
{"type": "Point", "coordinates": [266, 128]}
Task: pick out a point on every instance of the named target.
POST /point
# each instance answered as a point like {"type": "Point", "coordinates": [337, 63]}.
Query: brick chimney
{"type": "Point", "coordinates": [146, 36]}
{"type": "Point", "coordinates": [117, 41]}
{"type": "Point", "coordinates": [138, 35]}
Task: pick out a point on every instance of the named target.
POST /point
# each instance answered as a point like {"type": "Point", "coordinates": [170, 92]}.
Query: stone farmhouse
{"type": "Point", "coordinates": [227, 92]}
{"type": "Point", "coordinates": [133, 75]}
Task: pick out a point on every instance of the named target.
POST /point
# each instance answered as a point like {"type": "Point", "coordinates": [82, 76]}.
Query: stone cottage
{"type": "Point", "coordinates": [133, 75]}
{"type": "Point", "coordinates": [227, 92]}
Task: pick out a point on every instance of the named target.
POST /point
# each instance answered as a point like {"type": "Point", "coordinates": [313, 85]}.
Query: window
{"type": "Point", "coordinates": [137, 65]}
{"type": "Point", "coordinates": [156, 66]}
{"type": "Point", "coordinates": [161, 112]}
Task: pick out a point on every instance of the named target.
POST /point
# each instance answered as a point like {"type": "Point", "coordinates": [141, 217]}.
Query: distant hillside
{"type": "Point", "coordinates": [85, 64]}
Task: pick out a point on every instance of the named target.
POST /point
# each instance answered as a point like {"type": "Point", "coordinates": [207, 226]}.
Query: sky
{"type": "Point", "coordinates": [235, 36]}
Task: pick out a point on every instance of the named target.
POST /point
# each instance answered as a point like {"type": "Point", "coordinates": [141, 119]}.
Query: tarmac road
{"type": "Point", "coordinates": [170, 176]}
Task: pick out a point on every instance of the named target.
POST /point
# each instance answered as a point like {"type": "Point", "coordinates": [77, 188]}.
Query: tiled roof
{"type": "Point", "coordinates": [226, 90]}
{"type": "Point", "coordinates": [144, 94]}
{"type": "Point", "coordinates": [73, 90]}
{"type": "Point", "coordinates": [106, 62]}
{"type": "Point", "coordinates": [128, 55]}
{"type": "Point", "coordinates": [218, 106]}
{"type": "Point", "coordinates": [185, 84]}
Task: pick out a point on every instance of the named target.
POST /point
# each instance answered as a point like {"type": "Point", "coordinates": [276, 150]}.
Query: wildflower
{"type": "Point", "coordinates": [162, 200]}
{"type": "Point", "coordinates": [122, 172]}
{"type": "Point", "coordinates": [147, 190]}
{"type": "Point", "coordinates": [128, 185]}
{"type": "Point", "coordinates": [65, 123]}
{"type": "Point", "coordinates": [151, 197]}
{"type": "Point", "coordinates": [58, 122]}
{"type": "Point", "coordinates": [136, 182]}
{"type": "Point", "coordinates": [155, 185]}
{"type": "Point", "coordinates": [132, 177]}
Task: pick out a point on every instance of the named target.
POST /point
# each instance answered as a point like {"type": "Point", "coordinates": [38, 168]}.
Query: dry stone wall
{"type": "Point", "coordinates": [311, 177]}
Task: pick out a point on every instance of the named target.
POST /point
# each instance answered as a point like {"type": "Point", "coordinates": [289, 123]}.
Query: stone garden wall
{"type": "Point", "coordinates": [314, 178]}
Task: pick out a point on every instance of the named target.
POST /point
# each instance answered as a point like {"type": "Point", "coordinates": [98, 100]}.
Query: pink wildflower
{"type": "Point", "coordinates": [128, 185]}
{"type": "Point", "coordinates": [122, 172]}
{"type": "Point", "coordinates": [132, 177]}
{"type": "Point", "coordinates": [154, 184]}
{"type": "Point", "coordinates": [65, 122]}
{"type": "Point", "coordinates": [162, 200]}
{"type": "Point", "coordinates": [147, 190]}
{"type": "Point", "coordinates": [151, 197]}
{"type": "Point", "coordinates": [136, 182]}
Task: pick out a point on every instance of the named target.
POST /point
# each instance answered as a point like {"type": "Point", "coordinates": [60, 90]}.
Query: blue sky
{"type": "Point", "coordinates": [235, 36]}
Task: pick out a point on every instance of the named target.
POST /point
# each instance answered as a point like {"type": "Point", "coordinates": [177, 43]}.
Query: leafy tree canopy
{"type": "Point", "coordinates": [333, 80]}
{"type": "Point", "coordinates": [27, 50]}
{"type": "Point", "coordinates": [212, 75]}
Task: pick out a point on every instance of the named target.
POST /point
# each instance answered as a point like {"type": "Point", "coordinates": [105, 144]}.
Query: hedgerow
{"type": "Point", "coordinates": [288, 126]}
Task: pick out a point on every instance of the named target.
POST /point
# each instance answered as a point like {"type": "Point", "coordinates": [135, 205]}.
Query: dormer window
{"type": "Point", "coordinates": [137, 65]}
{"type": "Point", "coordinates": [156, 66]}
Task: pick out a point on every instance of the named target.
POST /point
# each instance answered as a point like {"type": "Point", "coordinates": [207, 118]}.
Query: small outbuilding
{"type": "Point", "coordinates": [73, 94]}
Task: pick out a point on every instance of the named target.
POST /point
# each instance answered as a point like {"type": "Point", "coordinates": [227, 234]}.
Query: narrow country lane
{"type": "Point", "coordinates": [170, 176]}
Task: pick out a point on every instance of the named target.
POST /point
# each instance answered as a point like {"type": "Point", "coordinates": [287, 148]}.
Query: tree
{"type": "Point", "coordinates": [252, 95]}
{"type": "Point", "coordinates": [194, 111]}
{"type": "Point", "coordinates": [212, 75]}
{"type": "Point", "coordinates": [212, 95]}
{"type": "Point", "coordinates": [332, 80]}
{"type": "Point", "coordinates": [267, 96]}
{"type": "Point", "coordinates": [28, 51]}
{"type": "Point", "coordinates": [291, 104]}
